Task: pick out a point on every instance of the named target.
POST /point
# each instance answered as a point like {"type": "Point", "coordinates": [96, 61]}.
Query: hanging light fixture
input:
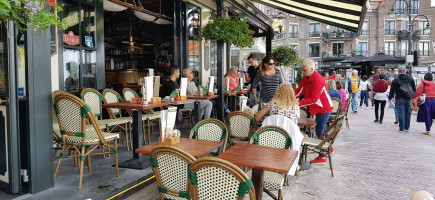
{"type": "Point", "coordinates": [114, 7]}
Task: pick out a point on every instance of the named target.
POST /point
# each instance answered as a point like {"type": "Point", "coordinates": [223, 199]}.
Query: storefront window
{"type": "Point", "coordinates": [193, 30]}
{"type": "Point", "coordinates": [79, 64]}
{"type": "Point", "coordinates": [3, 61]}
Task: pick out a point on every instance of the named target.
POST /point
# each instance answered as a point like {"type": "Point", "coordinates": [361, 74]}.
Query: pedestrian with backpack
{"type": "Point", "coordinates": [404, 88]}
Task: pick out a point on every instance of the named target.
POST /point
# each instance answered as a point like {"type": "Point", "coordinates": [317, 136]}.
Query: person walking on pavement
{"type": "Point", "coordinates": [404, 88]}
{"type": "Point", "coordinates": [316, 97]}
{"type": "Point", "coordinates": [380, 88]}
{"type": "Point", "coordinates": [353, 83]}
{"type": "Point", "coordinates": [364, 87]}
{"type": "Point", "coordinates": [270, 78]}
{"type": "Point", "coordinates": [426, 111]}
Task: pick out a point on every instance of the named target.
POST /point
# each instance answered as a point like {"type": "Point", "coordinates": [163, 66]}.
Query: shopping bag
{"type": "Point", "coordinates": [391, 104]}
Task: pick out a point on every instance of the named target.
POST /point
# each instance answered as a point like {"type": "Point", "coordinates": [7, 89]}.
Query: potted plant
{"type": "Point", "coordinates": [30, 14]}
{"type": "Point", "coordinates": [285, 56]}
{"type": "Point", "coordinates": [230, 30]}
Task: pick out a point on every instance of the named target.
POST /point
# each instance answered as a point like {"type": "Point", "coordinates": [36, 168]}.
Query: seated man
{"type": "Point", "coordinates": [171, 85]}
{"type": "Point", "coordinates": [205, 106]}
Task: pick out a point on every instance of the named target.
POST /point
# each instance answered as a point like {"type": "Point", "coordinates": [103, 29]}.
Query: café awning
{"type": "Point", "coordinates": [346, 14]}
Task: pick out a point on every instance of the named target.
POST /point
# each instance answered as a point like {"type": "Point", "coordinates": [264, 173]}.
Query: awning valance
{"type": "Point", "coordinates": [346, 14]}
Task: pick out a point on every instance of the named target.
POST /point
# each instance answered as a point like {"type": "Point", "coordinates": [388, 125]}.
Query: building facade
{"type": "Point", "coordinates": [380, 32]}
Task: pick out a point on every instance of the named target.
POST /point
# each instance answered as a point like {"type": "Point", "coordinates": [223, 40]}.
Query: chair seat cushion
{"type": "Point", "coordinates": [271, 180]}
{"type": "Point", "coordinates": [91, 136]}
{"type": "Point", "coordinates": [117, 121]}
{"type": "Point", "coordinates": [314, 142]}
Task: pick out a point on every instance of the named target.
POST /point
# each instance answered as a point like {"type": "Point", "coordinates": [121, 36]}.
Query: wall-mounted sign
{"type": "Point", "coordinates": [71, 39]}
{"type": "Point", "coordinates": [88, 41]}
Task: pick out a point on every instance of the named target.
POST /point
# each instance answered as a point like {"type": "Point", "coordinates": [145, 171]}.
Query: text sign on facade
{"type": "Point", "coordinates": [71, 39]}
{"type": "Point", "coordinates": [409, 58]}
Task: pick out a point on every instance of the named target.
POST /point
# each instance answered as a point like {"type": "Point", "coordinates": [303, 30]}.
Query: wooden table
{"type": "Point", "coordinates": [197, 118]}
{"type": "Point", "coordinates": [260, 158]}
{"type": "Point", "coordinates": [177, 103]}
{"type": "Point", "coordinates": [135, 162]}
{"type": "Point", "coordinates": [196, 148]}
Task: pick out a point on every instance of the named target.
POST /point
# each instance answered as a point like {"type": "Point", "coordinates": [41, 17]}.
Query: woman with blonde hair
{"type": "Point", "coordinates": [283, 103]}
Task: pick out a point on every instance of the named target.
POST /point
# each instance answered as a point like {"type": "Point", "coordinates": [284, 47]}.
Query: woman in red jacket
{"type": "Point", "coordinates": [426, 111]}
{"type": "Point", "coordinates": [316, 97]}
{"type": "Point", "coordinates": [380, 88]}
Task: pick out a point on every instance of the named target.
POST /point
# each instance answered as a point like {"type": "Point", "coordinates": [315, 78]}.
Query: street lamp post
{"type": "Point", "coordinates": [410, 26]}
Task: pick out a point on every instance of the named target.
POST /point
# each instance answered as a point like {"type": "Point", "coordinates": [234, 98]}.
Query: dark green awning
{"type": "Point", "coordinates": [346, 14]}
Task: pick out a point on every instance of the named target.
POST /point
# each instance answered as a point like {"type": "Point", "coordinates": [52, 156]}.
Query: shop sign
{"type": "Point", "coordinates": [88, 41]}
{"type": "Point", "coordinates": [71, 39]}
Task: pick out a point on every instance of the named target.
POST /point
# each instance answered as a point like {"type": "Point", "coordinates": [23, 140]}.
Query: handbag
{"type": "Point", "coordinates": [422, 98]}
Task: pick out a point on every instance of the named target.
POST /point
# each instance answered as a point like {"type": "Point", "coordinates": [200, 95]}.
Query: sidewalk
{"type": "Point", "coordinates": [371, 161]}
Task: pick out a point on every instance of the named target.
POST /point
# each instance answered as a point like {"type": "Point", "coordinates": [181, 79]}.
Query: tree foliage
{"type": "Point", "coordinates": [285, 55]}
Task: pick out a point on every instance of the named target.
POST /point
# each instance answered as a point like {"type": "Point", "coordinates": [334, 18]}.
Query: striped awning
{"type": "Point", "coordinates": [346, 14]}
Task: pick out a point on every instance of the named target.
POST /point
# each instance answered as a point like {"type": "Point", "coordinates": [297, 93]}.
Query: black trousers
{"type": "Point", "coordinates": [377, 102]}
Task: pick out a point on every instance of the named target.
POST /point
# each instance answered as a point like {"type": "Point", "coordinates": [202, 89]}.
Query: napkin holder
{"type": "Point", "coordinates": [183, 98]}
{"type": "Point", "coordinates": [170, 141]}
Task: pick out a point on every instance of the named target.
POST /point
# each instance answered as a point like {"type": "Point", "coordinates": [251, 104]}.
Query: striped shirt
{"type": "Point", "coordinates": [269, 85]}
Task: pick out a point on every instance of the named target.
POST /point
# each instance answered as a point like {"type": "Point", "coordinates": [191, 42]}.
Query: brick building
{"type": "Point", "coordinates": [381, 32]}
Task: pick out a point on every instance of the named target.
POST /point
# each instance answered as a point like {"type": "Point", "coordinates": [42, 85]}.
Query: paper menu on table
{"type": "Point", "coordinates": [149, 87]}
{"type": "Point", "coordinates": [170, 120]}
{"type": "Point", "coordinates": [150, 72]}
{"type": "Point", "coordinates": [241, 82]}
{"type": "Point", "coordinates": [163, 123]}
{"type": "Point", "coordinates": [227, 82]}
{"type": "Point", "coordinates": [211, 84]}
{"type": "Point", "coordinates": [156, 86]}
{"type": "Point", "coordinates": [183, 86]}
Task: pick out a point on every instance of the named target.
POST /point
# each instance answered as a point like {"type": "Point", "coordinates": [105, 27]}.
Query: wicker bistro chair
{"type": "Point", "coordinates": [170, 166]}
{"type": "Point", "coordinates": [272, 136]}
{"type": "Point", "coordinates": [94, 99]}
{"type": "Point", "coordinates": [240, 126]}
{"type": "Point", "coordinates": [345, 111]}
{"type": "Point", "coordinates": [211, 129]}
{"type": "Point", "coordinates": [213, 178]}
{"type": "Point", "coordinates": [73, 116]}
{"type": "Point", "coordinates": [313, 145]}
{"type": "Point", "coordinates": [336, 110]}
{"type": "Point", "coordinates": [148, 120]}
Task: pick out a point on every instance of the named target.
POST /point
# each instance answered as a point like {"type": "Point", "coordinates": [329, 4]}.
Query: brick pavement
{"type": "Point", "coordinates": [371, 161]}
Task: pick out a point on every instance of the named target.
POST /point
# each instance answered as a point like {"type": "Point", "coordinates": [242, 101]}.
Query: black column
{"type": "Point", "coordinates": [269, 37]}
{"type": "Point", "coordinates": [220, 69]}
{"type": "Point", "coordinates": [40, 136]}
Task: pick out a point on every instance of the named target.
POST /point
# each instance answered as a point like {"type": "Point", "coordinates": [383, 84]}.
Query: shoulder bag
{"type": "Point", "coordinates": [422, 98]}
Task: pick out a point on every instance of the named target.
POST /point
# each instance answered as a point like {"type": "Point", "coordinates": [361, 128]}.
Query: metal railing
{"type": "Point", "coordinates": [314, 54]}
{"type": "Point", "coordinates": [344, 35]}
{"type": "Point", "coordinates": [361, 53]}
{"type": "Point", "coordinates": [390, 31]}
{"type": "Point", "coordinates": [293, 34]}
{"type": "Point", "coordinates": [423, 53]}
{"type": "Point", "coordinates": [314, 34]}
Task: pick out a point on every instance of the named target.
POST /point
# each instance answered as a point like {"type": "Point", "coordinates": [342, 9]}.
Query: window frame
{"type": "Point", "coordinates": [358, 46]}
{"type": "Point", "coordinates": [291, 32]}
{"type": "Point", "coordinates": [316, 33]}
{"type": "Point", "coordinates": [424, 52]}
{"type": "Point", "coordinates": [310, 52]}
{"type": "Point", "coordinates": [389, 31]}
{"type": "Point", "coordinates": [390, 50]}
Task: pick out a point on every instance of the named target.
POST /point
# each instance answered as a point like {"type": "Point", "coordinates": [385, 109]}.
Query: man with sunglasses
{"type": "Point", "coordinates": [316, 98]}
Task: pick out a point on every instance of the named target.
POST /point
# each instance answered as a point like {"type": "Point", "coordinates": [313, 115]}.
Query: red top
{"type": "Point", "coordinates": [315, 93]}
{"type": "Point", "coordinates": [332, 77]}
{"type": "Point", "coordinates": [380, 86]}
{"type": "Point", "coordinates": [429, 90]}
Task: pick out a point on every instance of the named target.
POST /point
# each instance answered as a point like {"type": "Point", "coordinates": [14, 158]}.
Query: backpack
{"type": "Point", "coordinates": [405, 89]}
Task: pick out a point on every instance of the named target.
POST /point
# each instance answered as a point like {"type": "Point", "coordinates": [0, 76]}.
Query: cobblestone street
{"type": "Point", "coordinates": [371, 161]}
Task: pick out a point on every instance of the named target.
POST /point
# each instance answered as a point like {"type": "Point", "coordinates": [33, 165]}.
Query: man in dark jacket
{"type": "Point", "coordinates": [403, 103]}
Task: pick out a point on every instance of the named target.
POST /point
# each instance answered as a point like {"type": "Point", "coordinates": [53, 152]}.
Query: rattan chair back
{"type": "Point", "coordinates": [111, 96]}
{"type": "Point", "coordinates": [73, 116]}
{"type": "Point", "coordinates": [213, 178]}
{"type": "Point", "coordinates": [211, 129]}
{"type": "Point", "coordinates": [272, 136]}
{"type": "Point", "coordinates": [240, 126]}
{"type": "Point", "coordinates": [170, 166]}
{"type": "Point", "coordinates": [93, 99]}
{"type": "Point", "coordinates": [336, 106]}
{"type": "Point", "coordinates": [129, 94]}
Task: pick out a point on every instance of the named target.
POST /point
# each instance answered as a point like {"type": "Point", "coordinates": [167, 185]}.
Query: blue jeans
{"type": "Point", "coordinates": [353, 102]}
{"type": "Point", "coordinates": [364, 98]}
{"type": "Point", "coordinates": [403, 107]}
{"type": "Point", "coordinates": [321, 120]}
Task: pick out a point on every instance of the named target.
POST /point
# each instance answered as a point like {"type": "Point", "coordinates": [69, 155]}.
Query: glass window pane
{"type": "Point", "coordinates": [71, 17]}
{"type": "Point", "coordinates": [3, 62]}
{"type": "Point", "coordinates": [89, 69]}
{"type": "Point", "coordinates": [71, 62]}
{"type": "Point", "coordinates": [88, 26]}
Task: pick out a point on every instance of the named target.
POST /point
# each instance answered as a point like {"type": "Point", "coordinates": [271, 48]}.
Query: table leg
{"type": "Point", "coordinates": [257, 180]}
{"type": "Point", "coordinates": [196, 112]}
{"type": "Point", "coordinates": [137, 162]}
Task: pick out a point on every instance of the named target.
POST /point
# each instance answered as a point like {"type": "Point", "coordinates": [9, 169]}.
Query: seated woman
{"type": "Point", "coordinates": [283, 103]}
{"type": "Point", "coordinates": [333, 92]}
{"type": "Point", "coordinates": [342, 94]}
{"type": "Point", "coordinates": [205, 106]}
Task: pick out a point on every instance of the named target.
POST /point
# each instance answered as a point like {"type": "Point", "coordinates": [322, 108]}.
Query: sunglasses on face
{"type": "Point", "coordinates": [271, 63]}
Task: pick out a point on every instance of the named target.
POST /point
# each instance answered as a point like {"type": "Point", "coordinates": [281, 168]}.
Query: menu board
{"type": "Point", "coordinates": [183, 86]}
